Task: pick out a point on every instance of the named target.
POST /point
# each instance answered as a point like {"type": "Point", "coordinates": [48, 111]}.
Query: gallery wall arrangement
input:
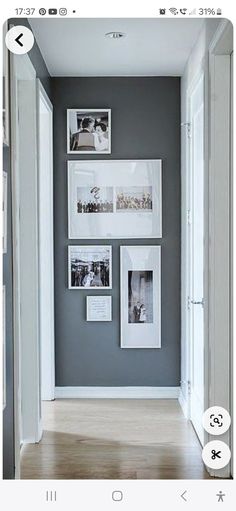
{"type": "Point", "coordinates": [115, 199]}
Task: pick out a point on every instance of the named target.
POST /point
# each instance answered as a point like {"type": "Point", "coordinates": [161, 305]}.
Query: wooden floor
{"type": "Point", "coordinates": [114, 439]}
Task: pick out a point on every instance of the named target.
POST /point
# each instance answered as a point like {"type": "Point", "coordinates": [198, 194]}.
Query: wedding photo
{"type": "Point", "coordinates": [89, 266]}
{"type": "Point", "coordinates": [134, 198]}
{"type": "Point", "coordinates": [140, 290]}
{"type": "Point", "coordinates": [88, 131]}
{"type": "Point", "coordinates": [123, 207]}
{"type": "Point", "coordinates": [94, 199]}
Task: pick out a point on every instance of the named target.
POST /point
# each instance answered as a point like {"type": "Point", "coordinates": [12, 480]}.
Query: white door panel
{"type": "Point", "coordinates": [196, 277]}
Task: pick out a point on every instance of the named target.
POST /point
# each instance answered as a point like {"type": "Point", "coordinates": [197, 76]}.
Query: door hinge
{"type": "Point", "coordinates": [189, 387]}
{"type": "Point", "coordinates": [188, 303]}
{"type": "Point", "coordinates": [188, 126]}
{"type": "Point", "coordinates": [189, 218]}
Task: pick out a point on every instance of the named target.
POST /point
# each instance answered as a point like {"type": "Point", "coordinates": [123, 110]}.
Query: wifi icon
{"type": "Point", "coordinates": [173, 10]}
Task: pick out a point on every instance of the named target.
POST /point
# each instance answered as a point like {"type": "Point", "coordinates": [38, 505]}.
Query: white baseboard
{"type": "Point", "coordinates": [117, 392]}
{"type": "Point", "coordinates": [183, 403]}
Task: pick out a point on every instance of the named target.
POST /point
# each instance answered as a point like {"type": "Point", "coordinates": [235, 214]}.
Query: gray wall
{"type": "Point", "coordinates": [145, 124]}
{"type": "Point", "coordinates": [8, 414]}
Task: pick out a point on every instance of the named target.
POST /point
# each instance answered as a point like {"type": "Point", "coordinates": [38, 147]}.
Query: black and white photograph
{"type": "Point", "coordinates": [90, 267]}
{"type": "Point", "coordinates": [140, 296]}
{"type": "Point", "coordinates": [134, 199]}
{"type": "Point", "coordinates": [95, 199]}
{"type": "Point", "coordinates": [140, 290]}
{"type": "Point", "coordinates": [88, 131]}
{"type": "Point", "coordinates": [124, 195]}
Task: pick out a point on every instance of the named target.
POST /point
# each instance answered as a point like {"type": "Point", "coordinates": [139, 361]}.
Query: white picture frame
{"type": "Point", "coordinates": [4, 213]}
{"type": "Point", "coordinates": [98, 308]}
{"type": "Point", "coordinates": [4, 347]}
{"type": "Point", "coordinates": [90, 267]}
{"type": "Point", "coordinates": [126, 199]}
{"type": "Point", "coordinates": [88, 131]}
{"type": "Point", "coordinates": [5, 109]}
{"type": "Point", "coordinates": [140, 295]}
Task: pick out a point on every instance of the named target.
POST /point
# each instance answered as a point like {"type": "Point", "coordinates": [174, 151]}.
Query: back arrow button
{"type": "Point", "coordinates": [183, 496]}
{"type": "Point", "coordinates": [18, 40]}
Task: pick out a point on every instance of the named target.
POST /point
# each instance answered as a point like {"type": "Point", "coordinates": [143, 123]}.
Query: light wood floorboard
{"type": "Point", "coordinates": [114, 439]}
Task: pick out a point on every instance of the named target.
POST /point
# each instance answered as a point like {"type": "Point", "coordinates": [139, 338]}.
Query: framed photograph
{"type": "Point", "coordinates": [88, 131]}
{"type": "Point", "coordinates": [98, 308]}
{"type": "Point", "coordinates": [4, 213]}
{"type": "Point", "coordinates": [114, 199]}
{"type": "Point", "coordinates": [90, 267]}
{"type": "Point", "coordinates": [5, 108]}
{"type": "Point", "coordinates": [4, 346]}
{"type": "Point", "coordinates": [140, 288]}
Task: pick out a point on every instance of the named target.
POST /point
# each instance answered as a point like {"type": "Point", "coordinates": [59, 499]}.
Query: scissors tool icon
{"type": "Point", "coordinates": [215, 454]}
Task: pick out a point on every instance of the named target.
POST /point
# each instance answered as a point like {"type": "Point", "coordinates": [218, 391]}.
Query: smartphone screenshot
{"type": "Point", "coordinates": [117, 257]}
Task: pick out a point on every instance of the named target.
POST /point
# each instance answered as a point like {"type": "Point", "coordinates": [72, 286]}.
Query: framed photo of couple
{"type": "Point", "coordinates": [140, 288]}
{"type": "Point", "coordinates": [114, 199]}
{"type": "Point", "coordinates": [88, 131]}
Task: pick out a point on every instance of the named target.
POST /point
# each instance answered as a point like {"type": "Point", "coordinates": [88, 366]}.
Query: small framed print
{"type": "Point", "coordinates": [90, 267]}
{"type": "Point", "coordinates": [114, 199]}
{"type": "Point", "coordinates": [140, 296]}
{"type": "Point", "coordinates": [98, 308]}
{"type": "Point", "coordinates": [88, 131]}
{"type": "Point", "coordinates": [4, 213]}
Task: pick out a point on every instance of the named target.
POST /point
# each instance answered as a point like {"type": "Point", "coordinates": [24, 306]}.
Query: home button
{"type": "Point", "coordinates": [117, 495]}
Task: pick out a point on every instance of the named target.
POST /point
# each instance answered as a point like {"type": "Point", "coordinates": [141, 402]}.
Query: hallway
{"type": "Point", "coordinates": [114, 439]}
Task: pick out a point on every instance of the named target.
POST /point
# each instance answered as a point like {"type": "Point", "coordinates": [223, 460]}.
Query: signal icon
{"type": "Point", "coordinates": [173, 10]}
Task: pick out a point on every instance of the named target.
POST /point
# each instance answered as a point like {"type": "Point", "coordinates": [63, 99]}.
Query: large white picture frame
{"type": "Point", "coordinates": [90, 267]}
{"type": "Point", "coordinates": [89, 131]}
{"type": "Point", "coordinates": [114, 199]}
{"type": "Point", "coordinates": [140, 291]}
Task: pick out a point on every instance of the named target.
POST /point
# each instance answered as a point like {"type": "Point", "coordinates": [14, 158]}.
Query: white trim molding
{"type": "Point", "coordinates": [184, 404]}
{"type": "Point", "coordinates": [117, 392]}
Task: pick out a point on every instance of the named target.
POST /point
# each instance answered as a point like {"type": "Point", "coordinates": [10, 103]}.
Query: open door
{"type": "Point", "coordinates": [196, 256]}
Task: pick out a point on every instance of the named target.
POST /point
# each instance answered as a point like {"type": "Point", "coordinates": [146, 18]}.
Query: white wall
{"type": "Point", "coordinates": [197, 62]}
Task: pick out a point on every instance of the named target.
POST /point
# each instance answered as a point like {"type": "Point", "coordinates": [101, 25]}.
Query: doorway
{"type": "Point", "coordinates": [33, 291]}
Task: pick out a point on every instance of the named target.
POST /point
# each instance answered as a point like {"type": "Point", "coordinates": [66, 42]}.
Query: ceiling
{"type": "Point", "coordinates": [152, 47]}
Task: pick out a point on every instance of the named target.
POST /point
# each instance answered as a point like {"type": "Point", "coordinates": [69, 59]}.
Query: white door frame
{"type": "Point", "coordinates": [186, 401]}
{"type": "Point", "coordinates": [220, 214]}
{"type": "Point", "coordinates": [198, 79]}
{"type": "Point", "coordinates": [46, 252]}
{"type": "Point", "coordinates": [25, 254]}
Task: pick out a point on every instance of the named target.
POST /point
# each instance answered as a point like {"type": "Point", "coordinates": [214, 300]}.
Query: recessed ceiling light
{"type": "Point", "coordinates": [115, 35]}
